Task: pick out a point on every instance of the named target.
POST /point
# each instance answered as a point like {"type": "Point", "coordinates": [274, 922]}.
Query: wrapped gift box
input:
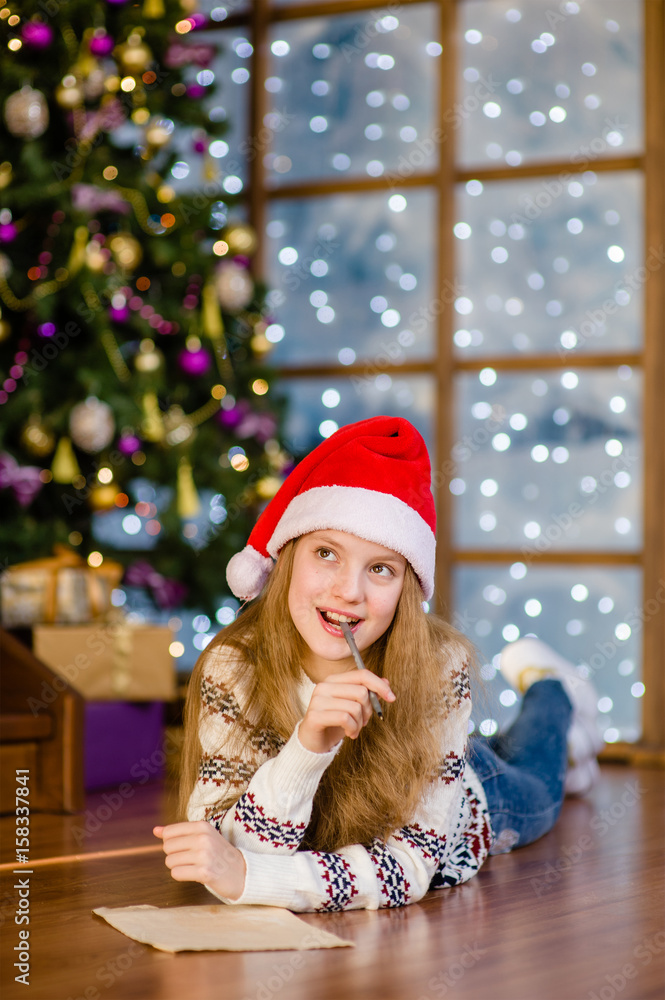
{"type": "Point", "coordinates": [61, 588]}
{"type": "Point", "coordinates": [123, 742]}
{"type": "Point", "coordinates": [110, 660]}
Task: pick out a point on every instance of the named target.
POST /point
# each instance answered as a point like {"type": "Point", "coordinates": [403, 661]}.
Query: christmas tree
{"type": "Point", "coordinates": [133, 382]}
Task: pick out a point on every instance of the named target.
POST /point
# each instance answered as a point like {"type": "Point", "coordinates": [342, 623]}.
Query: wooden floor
{"type": "Point", "coordinates": [577, 916]}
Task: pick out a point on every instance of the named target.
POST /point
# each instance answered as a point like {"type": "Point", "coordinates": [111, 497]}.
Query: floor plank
{"type": "Point", "coordinates": [576, 916]}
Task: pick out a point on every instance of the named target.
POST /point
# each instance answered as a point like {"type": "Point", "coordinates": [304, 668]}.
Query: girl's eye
{"type": "Point", "coordinates": [381, 570]}
{"type": "Point", "coordinates": [325, 554]}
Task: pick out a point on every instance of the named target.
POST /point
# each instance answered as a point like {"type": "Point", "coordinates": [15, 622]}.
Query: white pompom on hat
{"type": "Point", "coordinates": [371, 479]}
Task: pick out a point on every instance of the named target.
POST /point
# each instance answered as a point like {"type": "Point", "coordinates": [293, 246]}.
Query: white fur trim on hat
{"type": "Point", "coordinates": [377, 517]}
{"type": "Point", "coordinates": [247, 572]}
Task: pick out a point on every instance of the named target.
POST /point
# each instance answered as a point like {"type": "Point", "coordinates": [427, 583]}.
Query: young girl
{"type": "Point", "coordinates": [296, 792]}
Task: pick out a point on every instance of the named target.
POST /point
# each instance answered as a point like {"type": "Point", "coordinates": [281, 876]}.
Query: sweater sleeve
{"type": "Point", "coordinates": [256, 791]}
{"type": "Point", "coordinates": [383, 874]}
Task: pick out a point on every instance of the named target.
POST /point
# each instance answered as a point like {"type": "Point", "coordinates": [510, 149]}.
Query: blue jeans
{"type": "Point", "coordinates": [523, 770]}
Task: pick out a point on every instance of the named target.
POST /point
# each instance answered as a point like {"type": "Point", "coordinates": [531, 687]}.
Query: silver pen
{"type": "Point", "coordinates": [348, 635]}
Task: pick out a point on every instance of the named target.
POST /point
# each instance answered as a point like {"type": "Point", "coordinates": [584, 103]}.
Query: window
{"type": "Point", "coordinates": [461, 212]}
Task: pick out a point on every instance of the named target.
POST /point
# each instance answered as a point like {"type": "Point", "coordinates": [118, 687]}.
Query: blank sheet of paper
{"type": "Point", "coordinates": [218, 928]}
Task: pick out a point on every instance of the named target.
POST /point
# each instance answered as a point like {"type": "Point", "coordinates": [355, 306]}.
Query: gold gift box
{"type": "Point", "coordinates": [112, 660]}
{"type": "Point", "coordinates": [59, 588]}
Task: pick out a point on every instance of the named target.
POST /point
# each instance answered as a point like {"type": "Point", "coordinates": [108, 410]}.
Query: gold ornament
{"type": "Point", "coordinates": [36, 438]}
{"type": "Point", "coordinates": [211, 318]}
{"type": "Point", "coordinates": [91, 425]}
{"type": "Point", "coordinates": [26, 113]}
{"type": "Point", "coordinates": [65, 467]}
{"type": "Point", "coordinates": [152, 427]}
{"type": "Point", "coordinates": [267, 487]}
{"type": "Point", "coordinates": [102, 497]}
{"type": "Point", "coordinates": [134, 56]}
{"type": "Point", "coordinates": [5, 329]}
{"type": "Point", "coordinates": [187, 499]}
{"type": "Point", "coordinates": [77, 253]}
{"type": "Point", "coordinates": [153, 9]}
{"type": "Point", "coordinates": [93, 82]}
{"type": "Point", "coordinates": [260, 344]}
{"type": "Point", "coordinates": [235, 287]}
{"type": "Point", "coordinates": [69, 95]}
{"type": "Point", "coordinates": [94, 258]}
{"type": "Point", "coordinates": [240, 238]}
{"type": "Point", "coordinates": [148, 359]}
{"type": "Point", "coordinates": [158, 134]}
{"type": "Point", "coordinates": [5, 174]}
{"type": "Point", "coordinates": [178, 426]}
{"type": "Point", "coordinates": [126, 251]}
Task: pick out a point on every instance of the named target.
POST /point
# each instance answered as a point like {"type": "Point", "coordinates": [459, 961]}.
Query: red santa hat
{"type": "Point", "coordinates": [371, 479]}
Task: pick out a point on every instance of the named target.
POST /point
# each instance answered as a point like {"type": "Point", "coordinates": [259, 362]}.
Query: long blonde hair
{"type": "Point", "coordinates": [375, 782]}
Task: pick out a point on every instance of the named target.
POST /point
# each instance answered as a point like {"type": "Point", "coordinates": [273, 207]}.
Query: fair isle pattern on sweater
{"type": "Point", "coordinates": [339, 881]}
{"type": "Point", "coordinates": [233, 771]}
{"type": "Point", "coordinates": [451, 768]}
{"type": "Point", "coordinates": [268, 829]}
{"type": "Point", "coordinates": [460, 684]}
{"type": "Point", "coordinates": [430, 843]}
{"type": "Point", "coordinates": [393, 882]}
{"type": "Point", "coordinates": [471, 849]}
{"type": "Point", "coordinates": [218, 699]}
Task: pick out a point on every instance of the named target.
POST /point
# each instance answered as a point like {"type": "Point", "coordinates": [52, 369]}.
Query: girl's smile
{"type": "Point", "coordinates": [340, 577]}
{"type": "Point", "coordinates": [330, 618]}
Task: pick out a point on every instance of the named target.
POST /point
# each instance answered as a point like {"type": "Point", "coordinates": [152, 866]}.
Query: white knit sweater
{"type": "Point", "coordinates": [260, 798]}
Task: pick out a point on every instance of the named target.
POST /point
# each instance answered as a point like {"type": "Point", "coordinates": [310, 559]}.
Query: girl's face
{"type": "Point", "coordinates": [338, 574]}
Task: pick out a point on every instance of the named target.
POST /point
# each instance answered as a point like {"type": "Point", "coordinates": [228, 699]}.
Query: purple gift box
{"type": "Point", "coordinates": [123, 741]}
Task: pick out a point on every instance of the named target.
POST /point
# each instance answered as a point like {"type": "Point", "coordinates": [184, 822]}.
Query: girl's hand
{"type": "Point", "coordinates": [340, 706]}
{"type": "Point", "coordinates": [196, 852]}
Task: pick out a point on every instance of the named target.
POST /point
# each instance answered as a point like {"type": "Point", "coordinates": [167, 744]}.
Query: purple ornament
{"type": "Point", "coordinates": [200, 146]}
{"type": "Point", "coordinates": [119, 315]}
{"type": "Point", "coordinates": [234, 415]}
{"type": "Point", "coordinates": [101, 45]}
{"type": "Point", "coordinates": [8, 232]}
{"type": "Point", "coordinates": [46, 329]}
{"type": "Point", "coordinates": [37, 35]}
{"type": "Point", "coordinates": [195, 362]}
{"type": "Point", "coordinates": [128, 444]}
{"type": "Point", "coordinates": [195, 90]}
